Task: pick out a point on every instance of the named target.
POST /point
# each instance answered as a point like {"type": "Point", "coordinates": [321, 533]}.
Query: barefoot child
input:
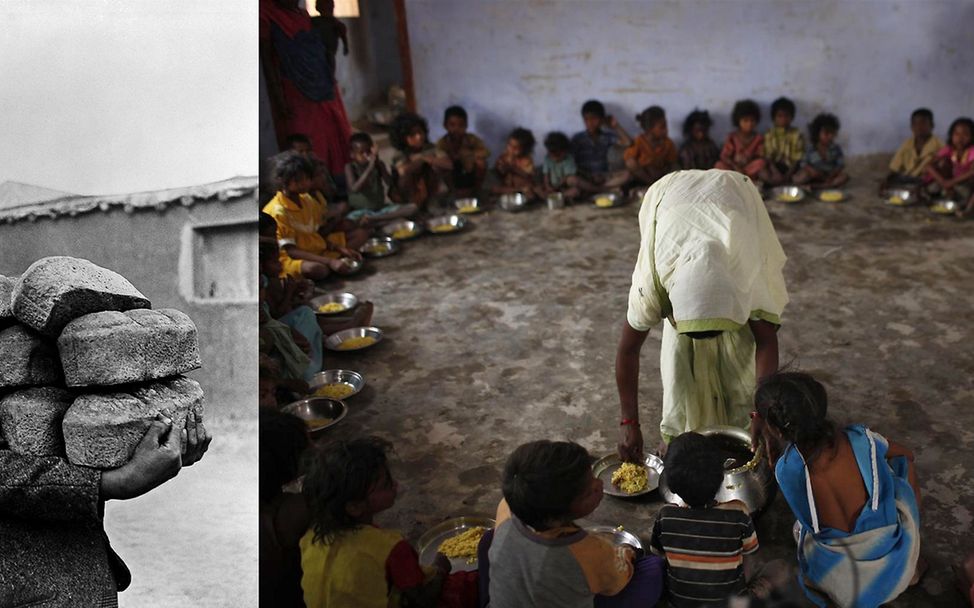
{"type": "Point", "coordinates": [514, 168]}
{"type": "Point", "coordinates": [466, 151]}
{"type": "Point", "coordinates": [743, 149]}
{"type": "Point", "coordinates": [539, 556]}
{"type": "Point", "coordinates": [653, 154]}
{"type": "Point", "coordinates": [823, 165]}
{"type": "Point", "coordinates": [346, 559]}
{"type": "Point", "coordinates": [304, 251]}
{"type": "Point", "coordinates": [559, 170]}
{"type": "Point", "coordinates": [368, 178]}
{"type": "Point", "coordinates": [698, 150]}
{"type": "Point", "coordinates": [909, 164]}
{"type": "Point", "coordinates": [854, 493]}
{"type": "Point", "coordinates": [591, 147]}
{"type": "Point", "coordinates": [417, 161]}
{"type": "Point", "coordinates": [784, 144]}
{"type": "Point", "coordinates": [706, 544]}
{"type": "Point", "coordinates": [952, 170]}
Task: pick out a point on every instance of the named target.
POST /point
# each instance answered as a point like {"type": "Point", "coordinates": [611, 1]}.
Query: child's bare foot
{"type": "Point", "coordinates": [362, 316]}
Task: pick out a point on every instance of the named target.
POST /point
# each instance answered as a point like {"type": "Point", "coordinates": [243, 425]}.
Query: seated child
{"type": "Point", "coordinates": [284, 345]}
{"type": "Point", "coordinates": [539, 556]}
{"type": "Point", "coordinates": [301, 144]}
{"type": "Point", "coordinates": [346, 559]}
{"type": "Point", "coordinates": [304, 251]}
{"type": "Point", "coordinates": [784, 144]}
{"type": "Point", "coordinates": [560, 173]}
{"type": "Point", "coordinates": [590, 148]}
{"type": "Point", "coordinates": [514, 168]}
{"type": "Point", "coordinates": [823, 165]}
{"type": "Point", "coordinates": [368, 178]}
{"type": "Point", "coordinates": [698, 150]}
{"type": "Point", "coordinates": [909, 165]}
{"type": "Point", "coordinates": [743, 149]}
{"type": "Point", "coordinates": [952, 170]}
{"type": "Point", "coordinates": [284, 516]}
{"type": "Point", "coordinates": [337, 231]}
{"type": "Point", "coordinates": [652, 154]}
{"type": "Point", "coordinates": [705, 543]}
{"type": "Point", "coordinates": [466, 151]}
{"type": "Point", "coordinates": [854, 493]}
{"type": "Point", "coordinates": [286, 300]}
{"type": "Point", "coordinates": [417, 161]}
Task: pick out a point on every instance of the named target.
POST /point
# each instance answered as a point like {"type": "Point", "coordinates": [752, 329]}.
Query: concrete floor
{"type": "Point", "coordinates": [507, 333]}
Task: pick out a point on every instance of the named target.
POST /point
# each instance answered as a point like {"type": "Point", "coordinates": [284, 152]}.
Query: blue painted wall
{"type": "Point", "coordinates": [512, 62]}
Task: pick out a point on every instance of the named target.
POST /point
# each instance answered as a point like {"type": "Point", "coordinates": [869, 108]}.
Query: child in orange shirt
{"type": "Point", "coordinates": [652, 154]}
{"type": "Point", "coordinates": [514, 167]}
{"type": "Point", "coordinates": [743, 149]}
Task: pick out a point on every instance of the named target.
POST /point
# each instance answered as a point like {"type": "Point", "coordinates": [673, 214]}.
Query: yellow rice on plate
{"type": "Point", "coordinates": [444, 228]}
{"type": "Point", "coordinates": [331, 307]}
{"type": "Point", "coordinates": [357, 342]}
{"type": "Point", "coordinates": [630, 478]}
{"type": "Point", "coordinates": [403, 233]}
{"type": "Point", "coordinates": [463, 545]}
{"type": "Point", "coordinates": [335, 390]}
{"type": "Point", "coordinates": [603, 201]}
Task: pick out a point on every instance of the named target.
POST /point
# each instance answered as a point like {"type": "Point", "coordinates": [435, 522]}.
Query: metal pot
{"type": "Point", "coordinates": [751, 482]}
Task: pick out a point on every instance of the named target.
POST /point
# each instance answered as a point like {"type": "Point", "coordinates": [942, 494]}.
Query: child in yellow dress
{"type": "Point", "coordinates": [304, 250]}
{"type": "Point", "coordinates": [346, 559]}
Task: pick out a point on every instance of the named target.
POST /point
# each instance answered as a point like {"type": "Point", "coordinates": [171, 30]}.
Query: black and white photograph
{"type": "Point", "coordinates": [128, 255]}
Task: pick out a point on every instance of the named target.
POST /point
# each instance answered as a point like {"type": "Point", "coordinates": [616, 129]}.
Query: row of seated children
{"type": "Point", "coordinates": [933, 168]}
{"type": "Point", "coordinates": [537, 555]}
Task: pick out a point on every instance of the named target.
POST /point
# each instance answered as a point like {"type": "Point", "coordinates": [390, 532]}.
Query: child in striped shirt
{"type": "Point", "coordinates": [705, 542]}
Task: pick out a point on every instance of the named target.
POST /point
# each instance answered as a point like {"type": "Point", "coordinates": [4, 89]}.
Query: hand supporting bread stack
{"type": "Point", "coordinates": [86, 365]}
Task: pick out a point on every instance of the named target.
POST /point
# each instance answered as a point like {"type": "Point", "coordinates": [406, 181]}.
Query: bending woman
{"type": "Point", "coordinates": [855, 495]}
{"type": "Point", "coordinates": [710, 264]}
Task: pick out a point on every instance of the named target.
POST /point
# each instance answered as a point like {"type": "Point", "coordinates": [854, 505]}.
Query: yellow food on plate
{"type": "Point", "coordinates": [603, 201]}
{"type": "Point", "coordinates": [444, 228]}
{"type": "Point", "coordinates": [314, 423]}
{"type": "Point", "coordinates": [331, 307]}
{"type": "Point", "coordinates": [357, 342]}
{"type": "Point", "coordinates": [788, 198]}
{"type": "Point", "coordinates": [463, 545]}
{"type": "Point", "coordinates": [630, 478]}
{"type": "Point", "coordinates": [831, 196]}
{"type": "Point", "coordinates": [941, 208]}
{"type": "Point", "coordinates": [469, 209]}
{"type": "Point", "coordinates": [896, 200]}
{"type": "Point", "coordinates": [403, 233]}
{"type": "Point", "coordinates": [335, 390]}
{"type": "Point", "coordinates": [378, 249]}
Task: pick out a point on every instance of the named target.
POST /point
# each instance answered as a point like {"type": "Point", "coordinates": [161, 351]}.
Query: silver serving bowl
{"type": "Point", "coordinates": [405, 226]}
{"type": "Point", "coordinates": [468, 205]}
{"type": "Point", "coordinates": [556, 200]}
{"type": "Point", "coordinates": [351, 266]}
{"type": "Point", "coordinates": [337, 376]}
{"type": "Point", "coordinates": [380, 247]}
{"type": "Point", "coordinates": [751, 482]}
{"type": "Point", "coordinates": [832, 195]}
{"type": "Point", "coordinates": [614, 200]}
{"type": "Point", "coordinates": [945, 206]}
{"type": "Point", "coordinates": [335, 340]}
{"type": "Point", "coordinates": [349, 301]}
{"type": "Point", "coordinates": [618, 536]}
{"type": "Point", "coordinates": [513, 202]}
{"type": "Point", "coordinates": [787, 194]}
{"type": "Point", "coordinates": [314, 410]}
{"type": "Point", "coordinates": [446, 224]}
{"type": "Point", "coordinates": [900, 197]}
{"type": "Point", "coordinates": [604, 467]}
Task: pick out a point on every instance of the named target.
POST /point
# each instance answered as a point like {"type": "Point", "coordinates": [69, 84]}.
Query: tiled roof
{"type": "Point", "coordinates": [72, 205]}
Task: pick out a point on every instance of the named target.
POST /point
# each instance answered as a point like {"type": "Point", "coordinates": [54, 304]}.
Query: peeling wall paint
{"type": "Point", "coordinates": [871, 62]}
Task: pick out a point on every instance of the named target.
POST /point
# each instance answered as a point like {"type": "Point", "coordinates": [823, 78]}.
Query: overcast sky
{"type": "Point", "coordinates": [107, 97]}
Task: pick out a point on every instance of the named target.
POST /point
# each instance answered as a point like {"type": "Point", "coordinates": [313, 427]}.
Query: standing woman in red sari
{"type": "Point", "coordinates": [301, 84]}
